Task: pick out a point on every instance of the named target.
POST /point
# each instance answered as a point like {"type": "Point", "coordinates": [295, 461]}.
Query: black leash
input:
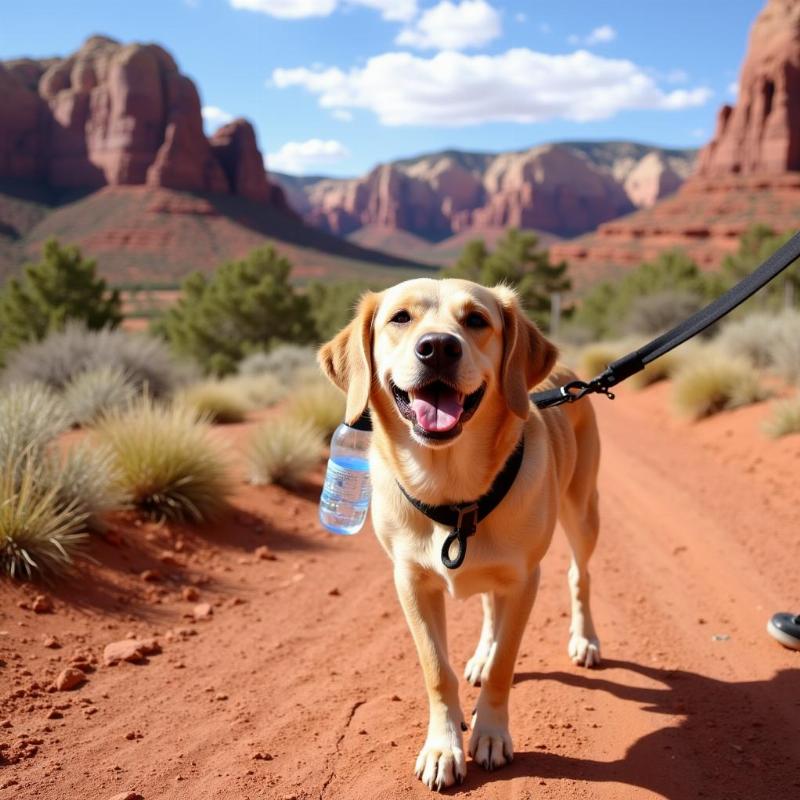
{"type": "Point", "coordinates": [636, 361]}
{"type": "Point", "coordinates": [463, 518]}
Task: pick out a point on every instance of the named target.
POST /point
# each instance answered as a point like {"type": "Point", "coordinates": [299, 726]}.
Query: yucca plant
{"type": "Point", "coordinates": [218, 401]}
{"type": "Point", "coordinates": [168, 464]}
{"type": "Point", "coordinates": [785, 418]}
{"type": "Point", "coordinates": [319, 403]}
{"type": "Point", "coordinates": [39, 537]}
{"type": "Point", "coordinates": [713, 382]}
{"type": "Point", "coordinates": [284, 451]}
{"type": "Point", "coordinates": [91, 394]}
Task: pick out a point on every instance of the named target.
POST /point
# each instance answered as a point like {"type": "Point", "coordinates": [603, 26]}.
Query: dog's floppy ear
{"type": "Point", "coordinates": [528, 357]}
{"type": "Point", "coordinates": [347, 358]}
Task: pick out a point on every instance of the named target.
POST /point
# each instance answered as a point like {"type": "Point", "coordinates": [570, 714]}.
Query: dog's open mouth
{"type": "Point", "coordinates": [437, 410]}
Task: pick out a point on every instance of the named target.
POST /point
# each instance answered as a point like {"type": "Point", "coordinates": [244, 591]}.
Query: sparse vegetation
{"type": "Point", "coordinates": [91, 394]}
{"type": "Point", "coordinates": [167, 462]}
{"type": "Point", "coordinates": [283, 451]}
{"type": "Point", "coordinates": [283, 361]}
{"type": "Point", "coordinates": [260, 391]}
{"type": "Point", "coordinates": [63, 355]}
{"type": "Point", "coordinates": [31, 416]}
{"type": "Point", "coordinates": [665, 367]}
{"type": "Point", "coordinates": [247, 305]}
{"type": "Point", "coordinates": [594, 358]}
{"type": "Point", "coordinates": [652, 314]}
{"type": "Point", "coordinates": [714, 381]}
{"type": "Point", "coordinates": [318, 402]}
{"type": "Point", "coordinates": [218, 401]}
{"type": "Point", "coordinates": [63, 286]}
{"type": "Point", "coordinates": [785, 418]}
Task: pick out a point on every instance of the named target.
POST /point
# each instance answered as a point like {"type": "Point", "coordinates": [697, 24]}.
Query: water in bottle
{"type": "Point", "coordinates": [345, 494]}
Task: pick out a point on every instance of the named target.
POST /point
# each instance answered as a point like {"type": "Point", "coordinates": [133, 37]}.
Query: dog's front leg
{"type": "Point", "coordinates": [490, 744]}
{"type": "Point", "coordinates": [441, 761]}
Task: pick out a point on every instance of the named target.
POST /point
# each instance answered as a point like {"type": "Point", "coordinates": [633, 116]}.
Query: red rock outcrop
{"type": "Point", "coordinates": [564, 189]}
{"type": "Point", "coordinates": [749, 172]}
{"type": "Point", "coordinates": [114, 114]}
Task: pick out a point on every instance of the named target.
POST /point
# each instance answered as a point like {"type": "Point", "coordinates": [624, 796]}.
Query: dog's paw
{"type": "Point", "coordinates": [441, 763]}
{"type": "Point", "coordinates": [478, 666]}
{"type": "Point", "coordinates": [490, 744]}
{"type": "Point", "coordinates": [584, 652]}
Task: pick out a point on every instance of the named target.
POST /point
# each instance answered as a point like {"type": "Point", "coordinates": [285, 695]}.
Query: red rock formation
{"type": "Point", "coordinates": [749, 172]}
{"type": "Point", "coordinates": [114, 114]}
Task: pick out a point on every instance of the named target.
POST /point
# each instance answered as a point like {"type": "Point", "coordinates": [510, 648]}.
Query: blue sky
{"type": "Point", "coordinates": [336, 86]}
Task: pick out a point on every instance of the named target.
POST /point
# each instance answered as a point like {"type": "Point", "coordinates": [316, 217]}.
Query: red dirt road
{"type": "Point", "coordinates": [304, 682]}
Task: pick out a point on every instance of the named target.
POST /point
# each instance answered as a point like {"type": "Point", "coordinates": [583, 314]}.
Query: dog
{"type": "Point", "coordinates": [446, 368]}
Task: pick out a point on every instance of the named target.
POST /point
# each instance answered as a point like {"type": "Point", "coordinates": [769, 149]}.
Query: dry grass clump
{"type": "Point", "coordinates": [89, 395]}
{"type": "Point", "coordinates": [786, 355]}
{"type": "Point", "coordinates": [284, 451]}
{"type": "Point", "coordinates": [785, 418]}
{"type": "Point", "coordinates": [217, 401]}
{"type": "Point", "coordinates": [260, 391]}
{"type": "Point", "coordinates": [665, 367]}
{"type": "Point", "coordinates": [31, 416]}
{"type": "Point", "coordinates": [168, 465]}
{"type": "Point", "coordinates": [318, 402]}
{"type": "Point", "coordinates": [282, 362]}
{"type": "Point", "coordinates": [715, 381]}
{"type": "Point", "coordinates": [594, 358]}
{"type": "Point", "coordinates": [39, 537]}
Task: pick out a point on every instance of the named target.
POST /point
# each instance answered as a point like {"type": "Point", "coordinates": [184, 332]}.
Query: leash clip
{"type": "Point", "coordinates": [466, 526]}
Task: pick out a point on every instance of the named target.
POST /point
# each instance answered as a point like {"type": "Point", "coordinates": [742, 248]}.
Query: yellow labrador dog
{"type": "Point", "coordinates": [446, 367]}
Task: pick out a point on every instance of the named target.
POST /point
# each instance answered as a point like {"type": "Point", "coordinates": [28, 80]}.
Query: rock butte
{"type": "Point", "coordinates": [119, 115]}
{"type": "Point", "coordinates": [749, 171]}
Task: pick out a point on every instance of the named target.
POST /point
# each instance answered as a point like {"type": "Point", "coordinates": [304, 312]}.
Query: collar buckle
{"type": "Point", "coordinates": [467, 522]}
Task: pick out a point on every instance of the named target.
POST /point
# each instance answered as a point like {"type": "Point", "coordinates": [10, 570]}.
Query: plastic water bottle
{"type": "Point", "coordinates": [345, 494]}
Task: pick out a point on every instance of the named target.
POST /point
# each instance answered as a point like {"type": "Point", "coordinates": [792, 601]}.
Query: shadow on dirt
{"type": "Point", "coordinates": [737, 741]}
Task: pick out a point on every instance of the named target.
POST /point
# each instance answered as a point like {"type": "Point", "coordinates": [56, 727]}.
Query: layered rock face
{"type": "Point", "coordinates": [564, 189]}
{"type": "Point", "coordinates": [114, 114]}
{"type": "Point", "coordinates": [749, 172]}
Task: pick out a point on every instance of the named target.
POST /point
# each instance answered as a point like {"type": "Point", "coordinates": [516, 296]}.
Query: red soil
{"type": "Point", "coordinates": [304, 682]}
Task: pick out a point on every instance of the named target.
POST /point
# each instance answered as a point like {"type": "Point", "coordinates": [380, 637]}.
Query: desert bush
{"type": "Point", "coordinates": [667, 366]}
{"type": "Point", "coordinates": [654, 313]}
{"type": "Point", "coordinates": [31, 416]}
{"type": "Point", "coordinates": [594, 358]}
{"type": "Point", "coordinates": [219, 401]}
{"type": "Point", "coordinates": [715, 381]}
{"type": "Point", "coordinates": [167, 462]}
{"type": "Point", "coordinates": [785, 418]}
{"type": "Point", "coordinates": [39, 537]}
{"type": "Point", "coordinates": [258, 391]}
{"type": "Point", "coordinates": [282, 361]}
{"type": "Point", "coordinates": [63, 286]}
{"type": "Point", "coordinates": [318, 402]}
{"type": "Point", "coordinates": [518, 261]}
{"type": "Point", "coordinates": [283, 451]}
{"type": "Point", "coordinates": [245, 306]}
{"type": "Point", "coordinates": [333, 304]}
{"type": "Point", "coordinates": [786, 348]}
{"type": "Point", "coordinates": [86, 478]}
{"type": "Point", "coordinates": [147, 362]}
{"type": "Point", "coordinates": [91, 394]}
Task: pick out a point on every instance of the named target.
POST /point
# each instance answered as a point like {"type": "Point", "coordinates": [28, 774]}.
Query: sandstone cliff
{"type": "Point", "coordinates": [114, 114]}
{"type": "Point", "coordinates": [565, 189]}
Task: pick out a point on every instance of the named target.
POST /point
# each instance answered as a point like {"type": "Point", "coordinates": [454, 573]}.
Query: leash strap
{"type": "Point", "coordinates": [636, 361]}
{"type": "Point", "coordinates": [463, 518]}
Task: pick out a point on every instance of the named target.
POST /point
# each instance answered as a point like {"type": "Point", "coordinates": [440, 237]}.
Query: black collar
{"type": "Point", "coordinates": [463, 518]}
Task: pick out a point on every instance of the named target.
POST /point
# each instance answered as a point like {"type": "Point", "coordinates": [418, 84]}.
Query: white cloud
{"type": "Point", "coordinates": [450, 26]}
{"type": "Point", "coordinates": [677, 76]}
{"type": "Point", "coordinates": [397, 10]}
{"type": "Point", "coordinates": [342, 115]}
{"type": "Point", "coordinates": [214, 116]}
{"type": "Point", "coordinates": [299, 158]}
{"type": "Point", "coordinates": [733, 89]}
{"type": "Point", "coordinates": [287, 9]}
{"type": "Point", "coordinates": [600, 35]}
{"type": "Point", "coordinates": [520, 85]}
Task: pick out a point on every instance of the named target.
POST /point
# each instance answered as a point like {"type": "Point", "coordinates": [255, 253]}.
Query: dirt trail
{"type": "Point", "coordinates": [304, 682]}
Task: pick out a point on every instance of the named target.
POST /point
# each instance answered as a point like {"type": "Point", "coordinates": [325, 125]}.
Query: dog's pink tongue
{"type": "Point", "coordinates": [437, 408]}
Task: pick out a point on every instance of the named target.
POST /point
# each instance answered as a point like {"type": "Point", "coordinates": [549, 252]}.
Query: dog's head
{"type": "Point", "coordinates": [439, 352]}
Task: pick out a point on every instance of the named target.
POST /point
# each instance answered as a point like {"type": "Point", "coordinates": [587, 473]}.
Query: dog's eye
{"type": "Point", "coordinates": [401, 317]}
{"type": "Point", "coordinates": [475, 320]}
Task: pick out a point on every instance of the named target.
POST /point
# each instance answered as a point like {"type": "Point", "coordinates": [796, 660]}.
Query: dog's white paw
{"type": "Point", "coordinates": [584, 652]}
{"type": "Point", "coordinates": [441, 763]}
{"type": "Point", "coordinates": [490, 744]}
{"type": "Point", "coordinates": [478, 666]}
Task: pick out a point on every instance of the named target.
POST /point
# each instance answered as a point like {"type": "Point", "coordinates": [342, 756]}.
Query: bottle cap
{"type": "Point", "coordinates": [363, 423]}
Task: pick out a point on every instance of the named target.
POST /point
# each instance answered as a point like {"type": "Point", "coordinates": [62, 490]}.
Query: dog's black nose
{"type": "Point", "coordinates": [438, 350]}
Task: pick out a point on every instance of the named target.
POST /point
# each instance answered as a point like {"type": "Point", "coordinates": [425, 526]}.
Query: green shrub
{"type": "Point", "coordinates": [63, 286]}
{"type": "Point", "coordinates": [518, 261]}
{"type": "Point", "coordinates": [63, 355]}
{"type": "Point", "coordinates": [91, 394]}
{"type": "Point", "coordinates": [319, 403]}
{"type": "Point", "coordinates": [247, 305]}
{"type": "Point", "coordinates": [167, 462]}
{"type": "Point", "coordinates": [39, 537]}
{"type": "Point", "coordinates": [218, 401]}
{"type": "Point", "coordinates": [785, 418]}
{"type": "Point", "coordinates": [713, 382]}
{"type": "Point", "coordinates": [284, 451]}
{"type": "Point", "coordinates": [333, 305]}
